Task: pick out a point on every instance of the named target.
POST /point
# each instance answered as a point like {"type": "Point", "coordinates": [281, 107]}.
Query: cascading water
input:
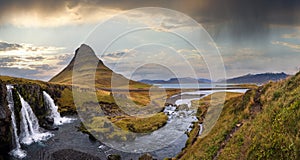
{"type": "Point", "coordinates": [58, 120]}
{"type": "Point", "coordinates": [30, 129]}
{"type": "Point", "coordinates": [17, 151]}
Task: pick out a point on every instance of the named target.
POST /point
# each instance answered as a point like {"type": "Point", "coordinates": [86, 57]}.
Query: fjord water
{"type": "Point", "coordinates": [17, 151]}
{"type": "Point", "coordinates": [30, 128]}
{"type": "Point", "coordinates": [58, 120]}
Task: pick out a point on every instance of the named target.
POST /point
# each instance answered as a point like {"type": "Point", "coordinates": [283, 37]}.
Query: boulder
{"type": "Point", "coordinates": [146, 156]}
{"type": "Point", "coordinates": [114, 157]}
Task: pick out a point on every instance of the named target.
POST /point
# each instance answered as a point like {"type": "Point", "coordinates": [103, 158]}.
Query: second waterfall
{"type": "Point", "coordinates": [58, 120]}
{"type": "Point", "coordinates": [30, 128]}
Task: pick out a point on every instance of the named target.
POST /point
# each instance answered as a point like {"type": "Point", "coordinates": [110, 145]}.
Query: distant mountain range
{"type": "Point", "coordinates": [249, 78]}
{"type": "Point", "coordinates": [176, 81]}
{"type": "Point", "coordinates": [258, 78]}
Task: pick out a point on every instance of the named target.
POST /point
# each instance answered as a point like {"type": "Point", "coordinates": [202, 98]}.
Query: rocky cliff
{"type": "Point", "coordinates": [32, 92]}
{"type": "Point", "coordinates": [5, 123]}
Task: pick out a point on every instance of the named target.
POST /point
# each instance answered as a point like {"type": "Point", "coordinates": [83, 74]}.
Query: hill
{"type": "Point", "coordinates": [261, 124]}
{"type": "Point", "coordinates": [85, 57]}
{"type": "Point", "coordinates": [258, 78]}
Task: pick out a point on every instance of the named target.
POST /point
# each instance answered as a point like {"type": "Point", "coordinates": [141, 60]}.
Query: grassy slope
{"type": "Point", "coordinates": [262, 124]}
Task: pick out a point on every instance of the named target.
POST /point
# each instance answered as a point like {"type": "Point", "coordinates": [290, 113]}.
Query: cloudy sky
{"type": "Point", "coordinates": [38, 38]}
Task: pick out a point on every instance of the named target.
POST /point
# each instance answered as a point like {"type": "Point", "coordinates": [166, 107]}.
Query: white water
{"type": "Point", "coordinates": [30, 129]}
{"type": "Point", "coordinates": [17, 151]}
{"type": "Point", "coordinates": [58, 120]}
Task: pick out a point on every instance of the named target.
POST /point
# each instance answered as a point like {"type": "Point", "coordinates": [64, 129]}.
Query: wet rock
{"type": "Point", "coordinates": [182, 107]}
{"type": "Point", "coordinates": [113, 157]}
{"type": "Point", "coordinates": [146, 156]}
{"type": "Point", "coordinates": [49, 127]}
{"type": "Point", "coordinates": [49, 120]}
{"type": "Point", "coordinates": [48, 124]}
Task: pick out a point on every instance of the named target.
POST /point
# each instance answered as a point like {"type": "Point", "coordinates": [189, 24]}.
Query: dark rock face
{"type": "Point", "coordinates": [33, 94]}
{"type": "Point", "coordinates": [5, 123]}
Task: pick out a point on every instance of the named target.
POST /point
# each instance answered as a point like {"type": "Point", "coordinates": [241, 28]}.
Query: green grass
{"type": "Point", "coordinates": [270, 125]}
{"type": "Point", "coordinates": [141, 125]}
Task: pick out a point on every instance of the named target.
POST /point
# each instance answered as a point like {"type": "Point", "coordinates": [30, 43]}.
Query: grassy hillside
{"type": "Point", "coordinates": [261, 124]}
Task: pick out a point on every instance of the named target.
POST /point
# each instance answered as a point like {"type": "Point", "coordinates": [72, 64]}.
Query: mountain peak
{"type": "Point", "coordinates": [84, 59]}
{"type": "Point", "coordinates": [85, 51]}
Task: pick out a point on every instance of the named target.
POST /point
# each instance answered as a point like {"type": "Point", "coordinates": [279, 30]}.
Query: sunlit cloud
{"type": "Point", "coordinates": [291, 35]}
{"type": "Point", "coordinates": [81, 14]}
{"type": "Point", "coordinates": [40, 62]}
{"type": "Point", "coordinates": [295, 47]}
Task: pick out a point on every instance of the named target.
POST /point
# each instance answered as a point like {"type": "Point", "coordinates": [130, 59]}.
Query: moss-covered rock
{"type": "Point", "coordinates": [146, 156]}
{"type": "Point", "coordinates": [114, 157]}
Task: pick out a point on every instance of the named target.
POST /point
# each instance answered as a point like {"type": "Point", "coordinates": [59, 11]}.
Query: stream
{"type": "Point", "coordinates": [174, 133]}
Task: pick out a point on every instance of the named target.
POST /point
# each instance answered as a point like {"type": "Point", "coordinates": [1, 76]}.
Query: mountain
{"type": "Point", "coordinates": [176, 81]}
{"type": "Point", "coordinates": [261, 124]}
{"type": "Point", "coordinates": [258, 78]}
{"type": "Point", "coordinates": [85, 57]}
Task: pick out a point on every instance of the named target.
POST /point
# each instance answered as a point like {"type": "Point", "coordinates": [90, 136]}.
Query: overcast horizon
{"type": "Point", "coordinates": [39, 38]}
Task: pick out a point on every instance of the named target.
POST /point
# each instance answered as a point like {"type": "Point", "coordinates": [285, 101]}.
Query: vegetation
{"type": "Point", "coordinates": [141, 125]}
{"type": "Point", "coordinates": [202, 106]}
{"type": "Point", "coordinates": [261, 124]}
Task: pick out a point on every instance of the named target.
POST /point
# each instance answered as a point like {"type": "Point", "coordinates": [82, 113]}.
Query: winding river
{"type": "Point", "coordinates": [180, 121]}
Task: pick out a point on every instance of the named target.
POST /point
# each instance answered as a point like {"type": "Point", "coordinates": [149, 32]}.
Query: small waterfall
{"type": "Point", "coordinates": [30, 129]}
{"type": "Point", "coordinates": [58, 120]}
{"type": "Point", "coordinates": [17, 151]}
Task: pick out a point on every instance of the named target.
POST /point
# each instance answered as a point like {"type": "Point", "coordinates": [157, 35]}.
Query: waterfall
{"type": "Point", "coordinates": [30, 129]}
{"type": "Point", "coordinates": [17, 151]}
{"type": "Point", "coordinates": [58, 120]}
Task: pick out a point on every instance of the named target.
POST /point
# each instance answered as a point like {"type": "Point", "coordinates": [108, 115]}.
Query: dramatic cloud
{"type": "Point", "coordinates": [240, 17]}
{"type": "Point", "coordinates": [253, 35]}
{"type": "Point", "coordinates": [54, 13]}
{"type": "Point", "coordinates": [9, 46]}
